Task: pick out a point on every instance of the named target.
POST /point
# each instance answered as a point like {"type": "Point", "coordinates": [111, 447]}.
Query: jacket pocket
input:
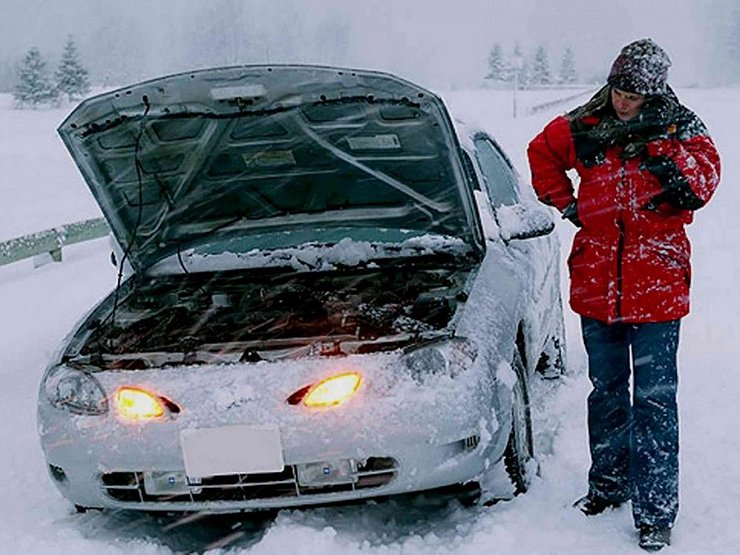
{"type": "Point", "coordinates": [675, 258]}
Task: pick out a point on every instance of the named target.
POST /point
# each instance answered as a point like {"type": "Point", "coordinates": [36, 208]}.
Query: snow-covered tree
{"type": "Point", "coordinates": [568, 67]}
{"type": "Point", "coordinates": [71, 76]}
{"type": "Point", "coordinates": [497, 70]}
{"type": "Point", "coordinates": [540, 74]}
{"type": "Point", "coordinates": [34, 86]}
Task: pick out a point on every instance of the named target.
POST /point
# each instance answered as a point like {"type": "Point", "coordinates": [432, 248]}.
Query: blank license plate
{"type": "Point", "coordinates": [231, 450]}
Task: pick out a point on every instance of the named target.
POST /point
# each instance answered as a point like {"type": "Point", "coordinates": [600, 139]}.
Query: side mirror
{"type": "Point", "coordinates": [524, 221]}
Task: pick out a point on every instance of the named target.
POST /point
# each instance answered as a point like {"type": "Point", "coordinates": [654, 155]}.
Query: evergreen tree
{"type": "Point", "coordinates": [568, 67]}
{"type": "Point", "coordinates": [540, 68]}
{"type": "Point", "coordinates": [496, 66]}
{"type": "Point", "coordinates": [34, 86]}
{"type": "Point", "coordinates": [71, 77]}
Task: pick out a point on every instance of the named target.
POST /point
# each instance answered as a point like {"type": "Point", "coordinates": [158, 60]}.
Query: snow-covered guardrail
{"type": "Point", "coordinates": [554, 103]}
{"type": "Point", "coordinates": [51, 241]}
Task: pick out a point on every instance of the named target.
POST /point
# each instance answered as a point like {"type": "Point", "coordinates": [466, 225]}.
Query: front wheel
{"type": "Point", "coordinates": [519, 449]}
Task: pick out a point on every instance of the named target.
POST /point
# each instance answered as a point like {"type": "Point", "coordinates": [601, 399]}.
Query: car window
{"type": "Point", "coordinates": [498, 174]}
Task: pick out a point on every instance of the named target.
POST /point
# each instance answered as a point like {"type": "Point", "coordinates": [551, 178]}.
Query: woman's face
{"type": "Point", "coordinates": [627, 105]}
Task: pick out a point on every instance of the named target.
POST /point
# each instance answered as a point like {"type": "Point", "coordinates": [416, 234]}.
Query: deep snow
{"type": "Point", "coordinates": [40, 188]}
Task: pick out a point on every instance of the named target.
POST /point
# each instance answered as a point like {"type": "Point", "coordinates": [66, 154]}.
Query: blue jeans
{"type": "Point", "coordinates": [634, 439]}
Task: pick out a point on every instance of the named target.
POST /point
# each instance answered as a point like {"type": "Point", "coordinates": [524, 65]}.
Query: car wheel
{"type": "Point", "coordinates": [519, 449]}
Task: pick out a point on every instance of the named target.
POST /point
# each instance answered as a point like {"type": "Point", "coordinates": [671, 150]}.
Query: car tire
{"type": "Point", "coordinates": [519, 450]}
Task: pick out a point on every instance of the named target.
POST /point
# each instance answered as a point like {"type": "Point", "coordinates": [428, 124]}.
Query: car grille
{"type": "Point", "coordinates": [129, 486]}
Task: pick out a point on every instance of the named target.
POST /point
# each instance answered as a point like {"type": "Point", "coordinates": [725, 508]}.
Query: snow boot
{"type": "Point", "coordinates": [654, 538]}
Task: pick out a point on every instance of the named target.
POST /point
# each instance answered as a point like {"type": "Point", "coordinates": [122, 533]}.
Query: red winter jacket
{"type": "Point", "coordinates": [630, 260]}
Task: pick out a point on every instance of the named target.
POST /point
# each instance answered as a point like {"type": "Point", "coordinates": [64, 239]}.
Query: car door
{"type": "Point", "coordinates": [537, 256]}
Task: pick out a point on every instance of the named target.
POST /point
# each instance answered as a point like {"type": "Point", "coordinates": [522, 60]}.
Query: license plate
{"type": "Point", "coordinates": [231, 450]}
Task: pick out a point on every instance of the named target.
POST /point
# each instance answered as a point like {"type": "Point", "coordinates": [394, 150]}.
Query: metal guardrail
{"type": "Point", "coordinates": [553, 103]}
{"type": "Point", "coordinates": [51, 241]}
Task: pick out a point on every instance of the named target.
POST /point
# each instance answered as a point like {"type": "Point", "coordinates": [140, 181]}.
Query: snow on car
{"type": "Point", "coordinates": [332, 292]}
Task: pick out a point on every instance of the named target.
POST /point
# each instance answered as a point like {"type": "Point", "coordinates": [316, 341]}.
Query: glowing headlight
{"type": "Point", "coordinates": [74, 389]}
{"type": "Point", "coordinates": [137, 404]}
{"type": "Point", "coordinates": [447, 357]}
{"type": "Point", "coordinates": [329, 392]}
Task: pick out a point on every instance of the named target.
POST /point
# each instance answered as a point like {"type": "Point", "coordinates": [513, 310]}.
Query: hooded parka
{"type": "Point", "coordinates": [640, 182]}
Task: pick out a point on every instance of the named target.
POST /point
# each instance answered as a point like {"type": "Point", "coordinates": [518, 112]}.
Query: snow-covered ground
{"type": "Point", "coordinates": [40, 188]}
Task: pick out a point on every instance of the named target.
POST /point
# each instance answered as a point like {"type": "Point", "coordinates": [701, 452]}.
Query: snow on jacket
{"type": "Point", "coordinates": [640, 182]}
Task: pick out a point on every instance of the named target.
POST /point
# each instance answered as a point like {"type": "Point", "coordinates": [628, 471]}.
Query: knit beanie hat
{"type": "Point", "coordinates": [641, 68]}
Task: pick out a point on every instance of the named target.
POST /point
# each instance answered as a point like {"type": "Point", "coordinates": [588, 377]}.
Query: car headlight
{"type": "Point", "coordinates": [74, 389]}
{"type": "Point", "coordinates": [446, 357]}
{"type": "Point", "coordinates": [329, 392]}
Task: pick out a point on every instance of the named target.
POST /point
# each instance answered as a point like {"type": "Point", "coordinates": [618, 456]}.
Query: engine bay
{"type": "Point", "coordinates": [293, 314]}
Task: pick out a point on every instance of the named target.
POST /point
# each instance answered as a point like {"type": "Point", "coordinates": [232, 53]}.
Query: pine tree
{"type": "Point", "coordinates": [496, 67]}
{"type": "Point", "coordinates": [540, 68]}
{"type": "Point", "coordinates": [34, 86]}
{"type": "Point", "coordinates": [568, 67]}
{"type": "Point", "coordinates": [71, 76]}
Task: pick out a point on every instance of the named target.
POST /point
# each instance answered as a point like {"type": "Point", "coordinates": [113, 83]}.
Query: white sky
{"type": "Point", "coordinates": [435, 41]}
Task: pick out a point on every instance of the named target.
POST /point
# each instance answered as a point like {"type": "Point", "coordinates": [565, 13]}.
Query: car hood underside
{"type": "Point", "coordinates": [207, 156]}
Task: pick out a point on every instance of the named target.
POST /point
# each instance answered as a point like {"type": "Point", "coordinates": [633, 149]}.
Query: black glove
{"type": "Point", "coordinates": [676, 189]}
{"type": "Point", "coordinates": [571, 213]}
{"type": "Point", "coordinates": [634, 146]}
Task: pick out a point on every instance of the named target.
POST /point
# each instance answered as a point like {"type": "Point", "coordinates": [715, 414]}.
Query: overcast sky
{"type": "Point", "coordinates": [439, 42]}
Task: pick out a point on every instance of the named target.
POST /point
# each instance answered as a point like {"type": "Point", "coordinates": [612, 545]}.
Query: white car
{"type": "Point", "coordinates": [335, 293]}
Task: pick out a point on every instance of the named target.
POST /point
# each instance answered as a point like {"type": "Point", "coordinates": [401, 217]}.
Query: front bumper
{"type": "Point", "coordinates": [407, 469]}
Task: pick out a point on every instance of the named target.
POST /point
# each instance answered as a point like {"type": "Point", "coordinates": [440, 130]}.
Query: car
{"type": "Point", "coordinates": [328, 291]}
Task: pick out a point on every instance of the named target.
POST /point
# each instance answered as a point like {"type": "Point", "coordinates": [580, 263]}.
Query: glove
{"type": "Point", "coordinates": [571, 213]}
{"type": "Point", "coordinates": [634, 146]}
{"type": "Point", "coordinates": [676, 189]}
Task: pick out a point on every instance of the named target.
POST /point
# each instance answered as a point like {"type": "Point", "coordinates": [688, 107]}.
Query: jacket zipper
{"type": "Point", "coordinates": [620, 253]}
{"type": "Point", "coordinates": [620, 246]}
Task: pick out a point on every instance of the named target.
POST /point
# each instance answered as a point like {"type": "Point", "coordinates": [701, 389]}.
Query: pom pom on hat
{"type": "Point", "coordinates": [641, 68]}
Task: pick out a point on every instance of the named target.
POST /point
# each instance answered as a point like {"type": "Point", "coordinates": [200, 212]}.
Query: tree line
{"type": "Point", "coordinates": [37, 86]}
{"type": "Point", "coordinates": [528, 71]}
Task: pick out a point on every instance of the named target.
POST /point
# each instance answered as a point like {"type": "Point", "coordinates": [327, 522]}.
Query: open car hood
{"type": "Point", "coordinates": [264, 156]}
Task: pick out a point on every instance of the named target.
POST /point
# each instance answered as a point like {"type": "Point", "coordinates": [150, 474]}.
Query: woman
{"type": "Point", "coordinates": [645, 163]}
